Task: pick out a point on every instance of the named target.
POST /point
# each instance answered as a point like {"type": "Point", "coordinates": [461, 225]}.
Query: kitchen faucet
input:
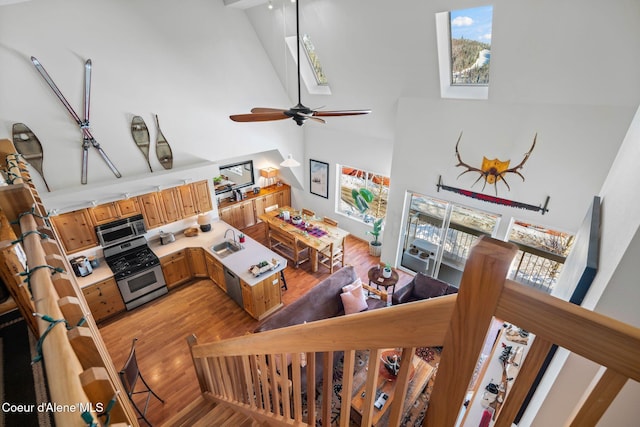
{"type": "Point", "coordinates": [234, 234]}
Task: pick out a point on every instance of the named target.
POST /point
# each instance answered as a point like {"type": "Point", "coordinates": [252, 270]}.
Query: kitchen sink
{"type": "Point", "coordinates": [226, 248]}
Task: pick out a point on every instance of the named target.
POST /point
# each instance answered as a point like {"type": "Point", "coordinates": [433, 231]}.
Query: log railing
{"type": "Point", "coordinates": [81, 378]}
{"type": "Point", "coordinates": [247, 372]}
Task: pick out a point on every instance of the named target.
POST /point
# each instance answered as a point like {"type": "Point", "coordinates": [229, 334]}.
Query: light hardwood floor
{"type": "Point", "coordinates": [200, 308]}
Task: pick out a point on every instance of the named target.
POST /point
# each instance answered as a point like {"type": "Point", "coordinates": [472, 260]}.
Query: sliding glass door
{"type": "Point", "coordinates": [439, 234]}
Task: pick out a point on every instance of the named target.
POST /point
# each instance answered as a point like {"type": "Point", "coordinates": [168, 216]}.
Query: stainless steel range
{"type": "Point", "coordinates": [135, 267]}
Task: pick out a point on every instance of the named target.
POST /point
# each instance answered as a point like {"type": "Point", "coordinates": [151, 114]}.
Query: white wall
{"type": "Point", "coordinates": [614, 292]}
{"type": "Point", "coordinates": [192, 62]}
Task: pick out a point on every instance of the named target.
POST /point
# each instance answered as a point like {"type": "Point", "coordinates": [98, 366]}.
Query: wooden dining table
{"type": "Point", "coordinates": [329, 233]}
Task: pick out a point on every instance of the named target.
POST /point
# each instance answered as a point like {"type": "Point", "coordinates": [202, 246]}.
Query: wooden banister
{"type": "Point", "coordinates": [72, 378]}
{"type": "Point", "coordinates": [457, 322]}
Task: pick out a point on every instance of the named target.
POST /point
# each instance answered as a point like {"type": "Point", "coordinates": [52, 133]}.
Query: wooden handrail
{"type": "Point", "coordinates": [458, 322]}
{"type": "Point", "coordinates": [79, 379]}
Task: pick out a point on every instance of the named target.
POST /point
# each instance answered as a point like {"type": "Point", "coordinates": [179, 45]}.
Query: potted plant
{"type": "Point", "coordinates": [386, 271]}
{"type": "Point", "coordinates": [375, 246]}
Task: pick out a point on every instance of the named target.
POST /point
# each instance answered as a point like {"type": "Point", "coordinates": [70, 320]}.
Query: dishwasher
{"type": "Point", "coordinates": [233, 286]}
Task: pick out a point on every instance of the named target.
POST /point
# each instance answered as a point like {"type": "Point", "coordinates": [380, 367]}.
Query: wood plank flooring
{"type": "Point", "coordinates": [200, 308]}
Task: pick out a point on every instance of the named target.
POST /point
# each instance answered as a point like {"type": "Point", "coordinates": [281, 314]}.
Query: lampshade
{"type": "Point", "coordinates": [269, 172]}
{"type": "Point", "coordinates": [204, 219]}
{"type": "Point", "coordinates": [290, 162]}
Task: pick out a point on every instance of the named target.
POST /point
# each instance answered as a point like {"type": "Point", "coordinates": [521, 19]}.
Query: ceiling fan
{"type": "Point", "coordinates": [299, 113]}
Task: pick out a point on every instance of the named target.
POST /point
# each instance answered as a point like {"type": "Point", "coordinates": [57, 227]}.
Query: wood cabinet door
{"type": "Point", "coordinates": [151, 210]}
{"type": "Point", "coordinates": [171, 209]}
{"type": "Point", "coordinates": [188, 201]}
{"type": "Point", "coordinates": [226, 215]}
{"type": "Point", "coordinates": [104, 213]}
{"type": "Point", "coordinates": [247, 298]}
{"type": "Point", "coordinates": [202, 196]}
{"type": "Point", "coordinates": [197, 262]}
{"type": "Point", "coordinates": [76, 230]}
{"type": "Point", "coordinates": [272, 291]}
{"type": "Point", "coordinates": [175, 268]}
{"type": "Point", "coordinates": [259, 204]}
{"type": "Point", "coordinates": [248, 216]}
{"type": "Point", "coordinates": [104, 299]}
{"type": "Point", "coordinates": [216, 272]}
{"type": "Point", "coordinates": [128, 207]}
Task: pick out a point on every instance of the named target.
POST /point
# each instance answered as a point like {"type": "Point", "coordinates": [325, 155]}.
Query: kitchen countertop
{"type": "Point", "coordinates": [238, 262]}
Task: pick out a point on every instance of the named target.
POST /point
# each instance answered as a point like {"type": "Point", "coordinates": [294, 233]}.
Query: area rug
{"type": "Point", "coordinates": [414, 416]}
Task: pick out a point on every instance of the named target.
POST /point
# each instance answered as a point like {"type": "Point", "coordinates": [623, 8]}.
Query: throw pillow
{"type": "Point", "coordinates": [354, 300]}
{"type": "Point", "coordinates": [427, 287]}
{"type": "Point", "coordinates": [352, 285]}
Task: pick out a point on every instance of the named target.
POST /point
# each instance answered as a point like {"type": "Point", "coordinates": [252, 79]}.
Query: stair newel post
{"type": "Point", "coordinates": [483, 280]}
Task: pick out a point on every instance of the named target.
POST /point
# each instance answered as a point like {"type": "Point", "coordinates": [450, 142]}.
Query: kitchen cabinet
{"type": "Point", "coordinates": [263, 202]}
{"type": "Point", "coordinates": [175, 268]}
{"type": "Point", "coordinates": [215, 271]}
{"type": "Point", "coordinates": [202, 196]}
{"type": "Point", "coordinates": [104, 299]}
{"type": "Point", "coordinates": [197, 262]}
{"type": "Point", "coordinates": [262, 298]}
{"type": "Point", "coordinates": [245, 213]}
{"type": "Point", "coordinates": [239, 215]}
{"type": "Point", "coordinates": [196, 198]}
{"type": "Point", "coordinates": [108, 212]}
{"type": "Point", "coordinates": [171, 205]}
{"type": "Point", "coordinates": [151, 210]}
{"type": "Point", "coordinates": [76, 230]}
{"type": "Point", "coordinates": [188, 201]}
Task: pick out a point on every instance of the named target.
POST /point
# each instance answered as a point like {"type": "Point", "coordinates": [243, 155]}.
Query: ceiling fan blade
{"type": "Point", "coordinates": [341, 113]}
{"type": "Point", "coordinates": [259, 117]}
{"type": "Point", "coordinates": [310, 116]}
{"type": "Point", "coordinates": [267, 110]}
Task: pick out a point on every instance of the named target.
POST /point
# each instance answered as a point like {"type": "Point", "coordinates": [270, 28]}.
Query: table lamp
{"type": "Point", "coordinates": [204, 221]}
{"type": "Point", "coordinates": [269, 173]}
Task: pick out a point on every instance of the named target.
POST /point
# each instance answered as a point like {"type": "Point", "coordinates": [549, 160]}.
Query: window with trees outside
{"type": "Point", "coordinates": [470, 31]}
{"type": "Point", "coordinates": [363, 194]}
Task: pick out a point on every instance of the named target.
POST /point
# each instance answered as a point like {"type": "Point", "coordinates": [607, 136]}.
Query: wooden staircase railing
{"type": "Point", "coordinates": [247, 372]}
{"type": "Point", "coordinates": [80, 376]}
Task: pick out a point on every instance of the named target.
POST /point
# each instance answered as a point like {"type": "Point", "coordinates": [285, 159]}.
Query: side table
{"type": "Point", "coordinates": [375, 277]}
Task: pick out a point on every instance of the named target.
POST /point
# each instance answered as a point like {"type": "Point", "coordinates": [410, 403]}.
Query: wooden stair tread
{"type": "Point", "coordinates": [191, 413]}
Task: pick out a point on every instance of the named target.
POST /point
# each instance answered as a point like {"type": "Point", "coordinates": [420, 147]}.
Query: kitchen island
{"type": "Point", "coordinates": [190, 258]}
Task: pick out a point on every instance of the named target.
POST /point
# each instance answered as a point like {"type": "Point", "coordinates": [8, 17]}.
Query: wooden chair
{"type": "Point", "coordinates": [287, 246]}
{"type": "Point", "coordinates": [332, 255]}
{"type": "Point", "coordinates": [129, 375]}
{"type": "Point", "coordinates": [271, 208]}
{"type": "Point", "coordinates": [308, 212]}
{"type": "Point", "coordinates": [330, 221]}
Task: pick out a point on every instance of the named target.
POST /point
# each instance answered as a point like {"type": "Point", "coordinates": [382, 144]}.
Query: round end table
{"type": "Point", "coordinates": [375, 277]}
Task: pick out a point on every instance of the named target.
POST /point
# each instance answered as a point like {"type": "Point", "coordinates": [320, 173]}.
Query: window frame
{"type": "Point", "coordinates": [447, 90]}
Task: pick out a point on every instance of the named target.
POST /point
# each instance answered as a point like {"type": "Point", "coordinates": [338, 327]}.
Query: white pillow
{"type": "Point", "coordinates": [354, 300]}
{"type": "Point", "coordinates": [352, 285]}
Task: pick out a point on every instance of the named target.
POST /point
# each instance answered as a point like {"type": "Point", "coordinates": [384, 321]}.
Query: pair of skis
{"type": "Point", "coordinates": [87, 138]}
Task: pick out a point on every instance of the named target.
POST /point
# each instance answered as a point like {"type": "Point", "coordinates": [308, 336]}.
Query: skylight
{"type": "Point", "coordinates": [464, 52]}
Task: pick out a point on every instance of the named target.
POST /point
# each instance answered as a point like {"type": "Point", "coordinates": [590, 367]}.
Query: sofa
{"type": "Point", "coordinates": [422, 287]}
{"type": "Point", "coordinates": [321, 302]}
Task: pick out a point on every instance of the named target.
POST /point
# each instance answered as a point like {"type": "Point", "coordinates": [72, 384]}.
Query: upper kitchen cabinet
{"type": "Point", "coordinates": [151, 210]}
{"type": "Point", "coordinates": [76, 230]}
{"type": "Point", "coordinates": [108, 212]}
{"type": "Point", "coordinates": [202, 196]}
{"type": "Point", "coordinates": [171, 205]}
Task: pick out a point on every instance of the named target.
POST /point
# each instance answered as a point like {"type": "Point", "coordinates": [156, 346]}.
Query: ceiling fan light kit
{"type": "Point", "coordinates": [299, 113]}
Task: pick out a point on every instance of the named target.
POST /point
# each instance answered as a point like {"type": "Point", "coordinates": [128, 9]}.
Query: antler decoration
{"type": "Point", "coordinates": [494, 170]}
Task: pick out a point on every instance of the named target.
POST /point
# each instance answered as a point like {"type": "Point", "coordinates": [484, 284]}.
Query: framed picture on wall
{"type": "Point", "coordinates": [319, 178]}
